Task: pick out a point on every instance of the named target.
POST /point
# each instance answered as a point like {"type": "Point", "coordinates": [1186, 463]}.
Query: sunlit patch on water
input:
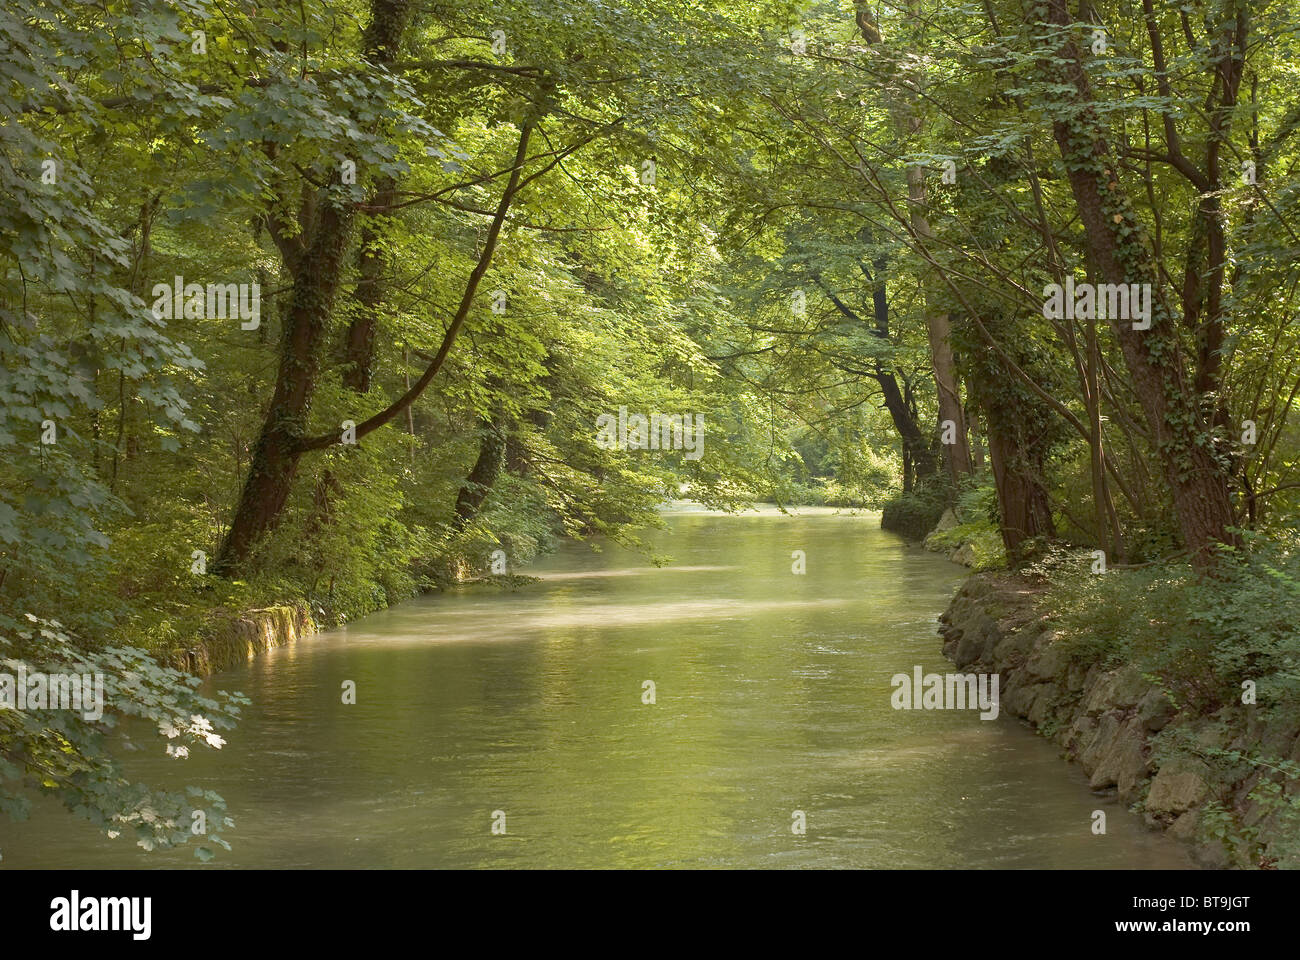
{"type": "Point", "coordinates": [628, 572]}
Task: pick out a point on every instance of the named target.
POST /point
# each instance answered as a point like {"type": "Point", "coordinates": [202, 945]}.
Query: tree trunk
{"type": "Point", "coordinates": [1106, 518]}
{"type": "Point", "coordinates": [976, 447]}
{"type": "Point", "coordinates": [939, 330]}
{"type": "Point", "coordinates": [359, 342]}
{"type": "Point", "coordinates": [915, 444]}
{"type": "Point", "coordinates": [1023, 505]}
{"type": "Point", "coordinates": [957, 454]}
{"type": "Point", "coordinates": [487, 468]}
{"type": "Point", "coordinates": [1116, 246]}
{"type": "Point", "coordinates": [914, 440]}
{"type": "Point", "coordinates": [317, 270]}
{"type": "Point", "coordinates": [917, 454]}
{"type": "Point", "coordinates": [276, 454]}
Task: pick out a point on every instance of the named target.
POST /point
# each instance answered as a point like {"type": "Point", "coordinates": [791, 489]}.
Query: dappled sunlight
{"type": "Point", "coordinates": [627, 572]}
{"type": "Point", "coordinates": [543, 620]}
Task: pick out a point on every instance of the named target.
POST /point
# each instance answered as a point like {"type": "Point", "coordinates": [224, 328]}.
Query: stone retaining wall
{"type": "Point", "coordinates": [1106, 721]}
{"type": "Point", "coordinates": [234, 640]}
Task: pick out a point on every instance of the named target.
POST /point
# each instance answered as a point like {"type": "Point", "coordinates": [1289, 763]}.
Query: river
{"type": "Point", "coordinates": [772, 695]}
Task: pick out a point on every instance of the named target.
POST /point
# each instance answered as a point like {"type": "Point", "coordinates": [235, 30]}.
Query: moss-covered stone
{"type": "Point", "coordinates": [234, 639]}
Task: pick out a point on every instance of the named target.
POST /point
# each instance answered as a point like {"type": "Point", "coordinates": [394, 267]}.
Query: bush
{"type": "Point", "coordinates": [1202, 635]}
{"type": "Point", "coordinates": [916, 513]}
{"type": "Point", "coordinates": [985, 542]}
{"type": "Point", "coordinates": [70, 753]}
{"type": "Point", "coordinates": [977, 526]}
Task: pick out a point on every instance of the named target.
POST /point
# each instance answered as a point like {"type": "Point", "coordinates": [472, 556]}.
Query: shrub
{"type": "Point", "coordinates": [916, 513]}
{"type": "Point", "coordinates": [66, 753]}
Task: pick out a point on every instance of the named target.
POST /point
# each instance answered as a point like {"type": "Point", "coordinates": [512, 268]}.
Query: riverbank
{"type": "Point", "coordinates": [1186, 773]}
{"type": "Point", "coordinates": [961, 530]}
{"type": "Point", "coordinates": [236, 637]}
{"type": "Point", "coordinates": [230, 633]}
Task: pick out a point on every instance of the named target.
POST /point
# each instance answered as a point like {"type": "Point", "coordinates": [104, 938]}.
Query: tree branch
{"type": "Point", "coordinates": [462, 312]}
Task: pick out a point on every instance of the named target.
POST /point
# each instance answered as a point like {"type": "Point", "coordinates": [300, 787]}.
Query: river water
{"type": "Point", "coordinates": [772, 695]}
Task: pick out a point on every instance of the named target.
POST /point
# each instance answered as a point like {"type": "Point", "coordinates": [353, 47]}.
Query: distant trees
{"type": "Point", "coordinates": [1041, 145]}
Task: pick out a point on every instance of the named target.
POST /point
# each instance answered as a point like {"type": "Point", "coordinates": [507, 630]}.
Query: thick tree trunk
{"type": "Point", "coordinates": [487, 468]}
{"type": "Point", "coordinates": [317, 269]}
{"type": "Point", "coordinates": [276, 454]}
{"type": "Point", "coordinates": [1117, 248]}
{"type": "Point", "coordinates": [1023, 504]}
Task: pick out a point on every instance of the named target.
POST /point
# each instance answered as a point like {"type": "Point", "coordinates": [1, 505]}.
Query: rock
{"type": "Point", "coordinates": [1047, 662]}
{"type": "Point", "coordinates": [1097, 694]}
{"type": "Point", "coordinates": [1105, 719]}
{"type": "Point", "coordinates": [1107, 728]}
{"type": "Point", "coordinates": [947, 520]}
{"type": "Point", "coordinates": [1278, 740]}
{"type": "Point", "coordinates": [1075, 678]}
{"type": "Point", "coordinates": [1122, 688]}
{"type": "Point", "coordinates": [1093, 677]}
{"type": "Point", "coordinates": [1017, 697]}
{"type": "Point", "coordinates": [1047, 696]}
{"type": "Point", "coordinates": [934, 539]}
{"type": "Point", "coordinates": [1155, 711]}
{"type": "Point", "coordinates": [965, 555]}
{"type": "Point", "coordinates": [1080, 735]}
{"type": "Point", "coordinates": [1211, 856]}
{"type": "Point", "coordinates": [1130, 687]}
{"type": "Point", "coordinates": [1211, 736]}
{"type": "Point", "coordinates": [1012, 648]}
{"type": "Point", "coordinates": [1254, 813]}
{"type": "Point", "coordinates": [1184, 828]}
{"type": "Point", "coordinates": [979, 637]}
{"type": "Point", "coordinates": [1251, 732]}
{"type": "Point", "coordinates": [232, 640]}
{"type": "Point", "coordinates": [1176, 789]}
{"type": "Point", "coordinates": [1123, 762]}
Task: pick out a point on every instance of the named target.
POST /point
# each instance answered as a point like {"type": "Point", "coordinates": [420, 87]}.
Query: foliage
{"type": "Point", "coordinates": [1201, 635]}
{"type": "Point", "coordinates": [915, 514]}
{"type": "Point", "coordinates": [65, 754]}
